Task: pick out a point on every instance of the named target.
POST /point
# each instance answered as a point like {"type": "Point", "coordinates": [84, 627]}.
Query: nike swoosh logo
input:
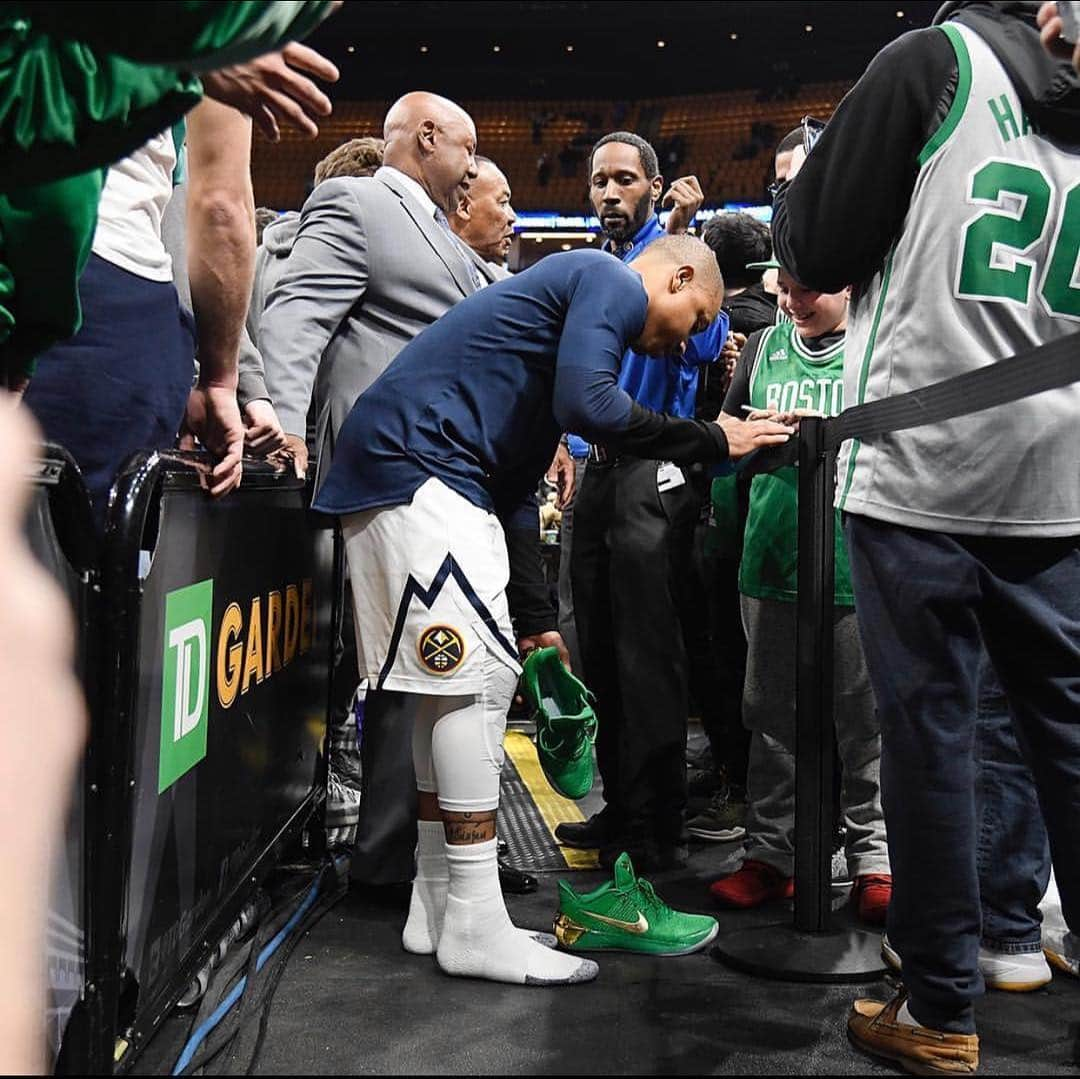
{"type": "Point", "coordinates": [640, 926]}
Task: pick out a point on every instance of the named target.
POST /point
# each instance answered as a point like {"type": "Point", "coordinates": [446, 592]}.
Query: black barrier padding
{"type": "Point", "coordinates": [218, 696]}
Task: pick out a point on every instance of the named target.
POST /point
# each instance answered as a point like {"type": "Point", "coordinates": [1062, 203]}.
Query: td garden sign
{"type": "Point", "coordinates": [250, 644]}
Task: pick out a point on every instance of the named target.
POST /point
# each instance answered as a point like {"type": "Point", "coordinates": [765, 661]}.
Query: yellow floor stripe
{"type": "Point", "coordinates": [554, 808]}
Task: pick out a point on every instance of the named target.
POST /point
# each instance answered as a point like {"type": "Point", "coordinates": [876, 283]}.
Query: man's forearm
{"type": "Point", "coordinates": [221, 237]}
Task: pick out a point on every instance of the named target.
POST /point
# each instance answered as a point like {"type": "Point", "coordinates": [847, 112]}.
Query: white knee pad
{"type": "Point", "coordinates": [467, 742]}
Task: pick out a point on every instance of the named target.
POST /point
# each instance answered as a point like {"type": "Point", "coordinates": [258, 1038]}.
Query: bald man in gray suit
{"type": "Point", "coordinates": [374, 262]}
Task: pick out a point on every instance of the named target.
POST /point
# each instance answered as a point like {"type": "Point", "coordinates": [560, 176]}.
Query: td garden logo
{"type": "Point", "coordinates": [185, 681]}
{"type": "Point", "coordinates": [252, 643]}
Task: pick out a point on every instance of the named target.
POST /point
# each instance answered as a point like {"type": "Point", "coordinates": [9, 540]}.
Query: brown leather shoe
{"type": "Point", "coordinates": [874, 1028]}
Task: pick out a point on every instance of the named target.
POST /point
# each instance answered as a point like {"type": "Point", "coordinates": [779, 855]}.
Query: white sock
{"type": "Point", "coordinates": [428, 902]}
{"type": "Point", "coordinates": [478, 939]}
{"type": "Point", "coordinates": [427, 905]}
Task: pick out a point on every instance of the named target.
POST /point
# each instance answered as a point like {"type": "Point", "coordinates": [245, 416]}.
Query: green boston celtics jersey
{"type": "Point", "coordinates": [786, 374]}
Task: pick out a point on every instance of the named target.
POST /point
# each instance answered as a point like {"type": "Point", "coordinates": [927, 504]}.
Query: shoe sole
{"type": "Point", "coordinates": [890, 960]}
{"type": "Point", "coordinates": [639, 951]}
{"type": "Point", "coordinates": [723, 835]}
{"type": "Point", "coordinates": [913, 1067]}
{"type": "Point", "coordinates": [1059, 962]}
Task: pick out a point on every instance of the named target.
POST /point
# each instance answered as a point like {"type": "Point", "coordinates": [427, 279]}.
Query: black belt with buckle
{"type": "Point", "coordinates": [601, 455]}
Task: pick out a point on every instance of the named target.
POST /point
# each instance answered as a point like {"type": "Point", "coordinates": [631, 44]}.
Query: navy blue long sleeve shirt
{"type": "Point", "coordinates": [478, 400]}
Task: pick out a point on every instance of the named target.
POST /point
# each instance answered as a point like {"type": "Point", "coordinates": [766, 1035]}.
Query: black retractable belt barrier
{"type": "Point", "coordinates": [218, 645]}
{"type": "Point", "coordinates": [812, 949]}
{"type": "Point", "coordinates": [60, 532]}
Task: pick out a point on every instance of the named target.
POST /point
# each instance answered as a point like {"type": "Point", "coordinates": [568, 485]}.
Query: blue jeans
{"type": "Point", "coordinates": [121, 383]}
{"type": "Point", "coordinates": [928, 604]}
{"type": "Point", "coordinates": [1013, 855]}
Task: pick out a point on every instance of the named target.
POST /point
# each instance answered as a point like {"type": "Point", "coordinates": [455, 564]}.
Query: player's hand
{"type": "Point", "coordinates": [1050, 30]}
{"type": "Point", "coordinates": [213, 416]}
{"type": "Point", "coordinates": [545, 640]}
{"type": "Point", "coordinates": [685, 197]}
{"type": "Point", "coordinates": [745, 436]}
{"type": "Point", "coordinates": [273, 89]}
{"type": "Point", "coordinates": [561, 474]}
{"type": "Point", "coordinates": [262, 429]}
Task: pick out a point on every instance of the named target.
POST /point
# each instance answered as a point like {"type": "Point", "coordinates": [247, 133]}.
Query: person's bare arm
{"type": "Point", "coordinates": [38, 690]}
{"type": "Point", "coordinates": [221, 259]}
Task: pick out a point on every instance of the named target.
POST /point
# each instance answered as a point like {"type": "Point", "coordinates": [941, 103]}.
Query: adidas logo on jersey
{"type": "Point", "coordinates": [778, 355]}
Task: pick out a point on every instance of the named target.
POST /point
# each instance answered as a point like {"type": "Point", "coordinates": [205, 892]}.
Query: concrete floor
{"type": "Point", "coordinates": [353, 1003]}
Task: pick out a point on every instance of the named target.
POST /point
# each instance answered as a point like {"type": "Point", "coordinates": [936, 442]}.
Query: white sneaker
{"type": "Point", "coordinates": [1019, 973]}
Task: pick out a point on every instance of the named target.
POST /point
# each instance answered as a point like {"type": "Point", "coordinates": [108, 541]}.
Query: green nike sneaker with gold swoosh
{"type": "Point", "coordinates": [626, 915]}
{"type": "Point", "coordinates": [565, 722]}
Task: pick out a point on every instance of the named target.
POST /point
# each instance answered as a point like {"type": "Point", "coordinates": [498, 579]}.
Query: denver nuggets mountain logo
{"type": "Point", "coordinates": [441, 649]}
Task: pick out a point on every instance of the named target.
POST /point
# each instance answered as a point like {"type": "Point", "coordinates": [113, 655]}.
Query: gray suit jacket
{"type": "Point", "coordinates": [369, 270]}
{"type": "Point", "coordinates": [491, 271]}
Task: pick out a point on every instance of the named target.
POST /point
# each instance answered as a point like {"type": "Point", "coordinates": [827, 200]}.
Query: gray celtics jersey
{"type": "Point", "coordinates": [985, 267]}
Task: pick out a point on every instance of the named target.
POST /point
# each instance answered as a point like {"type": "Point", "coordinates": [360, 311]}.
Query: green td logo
{"type": "Point", "coordinates": [185, 681]}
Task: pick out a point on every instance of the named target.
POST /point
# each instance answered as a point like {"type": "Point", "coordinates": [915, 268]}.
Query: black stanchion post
{"type": "Point", "coordinates": [815, 737]}
{"type": "Point", "coordinates": [811, 949]}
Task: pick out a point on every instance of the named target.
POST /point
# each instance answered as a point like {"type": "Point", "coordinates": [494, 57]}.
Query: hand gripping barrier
{"type": "Point", "coordinates": [811, 949]}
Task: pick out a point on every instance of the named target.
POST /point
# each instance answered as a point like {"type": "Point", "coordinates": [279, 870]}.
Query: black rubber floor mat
{"type": "Point", "coordinates": [529, 810]}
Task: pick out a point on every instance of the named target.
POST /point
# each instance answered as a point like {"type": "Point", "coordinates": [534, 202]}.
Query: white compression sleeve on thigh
{"type": "Point", "coordinates": [467, 742]}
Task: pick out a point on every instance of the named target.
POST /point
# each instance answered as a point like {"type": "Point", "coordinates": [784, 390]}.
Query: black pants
{"type": "Point", "coordinates": [632, 547]}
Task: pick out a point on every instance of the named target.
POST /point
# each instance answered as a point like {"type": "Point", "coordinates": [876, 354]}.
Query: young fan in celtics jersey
{"type": "Point", "coordinates": [799, 364]}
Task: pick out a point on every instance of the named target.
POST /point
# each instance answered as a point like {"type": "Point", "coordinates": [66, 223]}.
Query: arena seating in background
{"type": "Point", "coordinates": [711, 135]}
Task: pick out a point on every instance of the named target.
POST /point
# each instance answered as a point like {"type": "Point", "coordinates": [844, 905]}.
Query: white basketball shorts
{"type": "Point", "coordinates": [429, 591]}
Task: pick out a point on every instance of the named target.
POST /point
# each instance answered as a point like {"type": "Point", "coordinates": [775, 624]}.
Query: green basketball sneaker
{"type": "Point", "coordinates": [626, 915]}
{"type": "Point", "coordinates": [565, 722]}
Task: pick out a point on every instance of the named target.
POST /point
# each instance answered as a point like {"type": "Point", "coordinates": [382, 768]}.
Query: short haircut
{"type": "Point", "coordinates": [684, 250]}
{"type": "Point", "coordinates": [650, 163]}
{"type": "Point", "coordinates": [735, 240]}
{"type": "Point", "coordinates": [357, 157]}
{"type": "Point", "coordinates": [788, 143]}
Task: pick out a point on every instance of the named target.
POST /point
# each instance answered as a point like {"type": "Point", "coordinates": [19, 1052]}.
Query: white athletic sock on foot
{"type": "Point", "coordinates": [478, 939]}
{"type": "Point", "coordinates": [428, 902]}
{"type": "Point", "coordinates": [427, 905]}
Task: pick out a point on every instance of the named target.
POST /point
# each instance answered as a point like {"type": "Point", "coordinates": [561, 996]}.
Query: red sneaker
{"type": "Point", "coordinates": [871, 894]}
{"type": "Point", "coordinates": [755, 883]}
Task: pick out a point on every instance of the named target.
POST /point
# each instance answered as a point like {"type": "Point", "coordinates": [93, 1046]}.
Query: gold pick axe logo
{"type": "Point", "coordinates": [441, 649]}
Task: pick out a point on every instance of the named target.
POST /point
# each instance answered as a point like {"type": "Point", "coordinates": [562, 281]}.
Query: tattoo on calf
{"type": "Point", "coordinates": [465, 829]}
